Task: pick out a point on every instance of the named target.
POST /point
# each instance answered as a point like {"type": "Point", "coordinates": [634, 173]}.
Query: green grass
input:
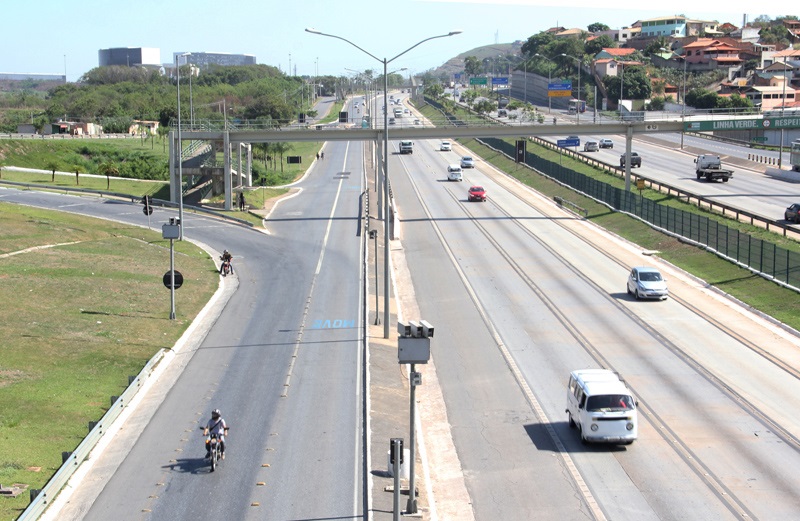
{"type": "Point", "coordinates": [753, 290]}
{"type": "Point", "coordinates": [134, 187]}
{"type": "Point", "coordinates": [133, 157]}
{"type": "Point", "coordinates": [333, 114]}
{"type": "Point", "coordinates": [80, 319]}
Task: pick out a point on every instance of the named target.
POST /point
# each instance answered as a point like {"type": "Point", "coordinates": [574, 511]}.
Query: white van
{"type": "Point", "coordinates": [601, 407]}
{"type": "Point", "coordinates": [454, 173]}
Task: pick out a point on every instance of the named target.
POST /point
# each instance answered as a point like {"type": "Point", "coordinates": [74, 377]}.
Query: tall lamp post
{"type": "Point", "coordinates": [549, 80]}
{"type": "Point", "coordinates": [578, 108]}
{"type": "Point", "coordinates": [385, 63]}
{"type": "Point", "coordinates": [180, 147]}
{"type": "Point", "coordinates": [683, 109]}
{"type": "Point", "coordinates": [783, 109]}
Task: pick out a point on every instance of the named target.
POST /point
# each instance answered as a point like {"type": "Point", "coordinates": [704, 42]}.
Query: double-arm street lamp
{"type": "Point", "coordinates": [578, 108]}
{"type": "Point", "coordinates": [180, 147]}
{"type": "Point", "coordinates": [385, 63]}
{"type": "Point", "coordinates": [549, 80]}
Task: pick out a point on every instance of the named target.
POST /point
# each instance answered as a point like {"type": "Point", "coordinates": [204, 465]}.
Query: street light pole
{"type": "Point", "coordinates": [385, 63]}
{"type": "Point", "coordinates": [578, 108]}
{"type": "Point", "coordinates": [549, 80]}
{"type": "Point", "coordinates": [180, 147]}
{"type": "Point", "coordinates": [783, 109]}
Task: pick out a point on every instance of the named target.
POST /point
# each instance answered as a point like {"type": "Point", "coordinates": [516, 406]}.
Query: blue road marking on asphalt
{"type": "Point", "coordinates": [333, 324]}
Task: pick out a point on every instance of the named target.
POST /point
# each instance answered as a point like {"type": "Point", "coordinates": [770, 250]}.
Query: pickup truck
{"type": "Point", "coordinates": [636, 160]}
{"type": "Point", "coordinates": [709, 167]}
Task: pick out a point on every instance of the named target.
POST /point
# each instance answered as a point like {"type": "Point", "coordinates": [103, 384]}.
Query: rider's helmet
{"type": "Point", "coordinates": [215, 414]}
{"type": "Point", "coordinates": [225, 252]}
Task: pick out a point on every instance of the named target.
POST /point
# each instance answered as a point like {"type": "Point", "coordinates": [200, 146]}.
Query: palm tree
{"type": "Point", "coordinates": [52, 165]}
{"type": "Point", "coordinates": [108, 169]}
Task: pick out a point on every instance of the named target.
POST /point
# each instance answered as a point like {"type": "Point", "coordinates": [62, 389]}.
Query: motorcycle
{"type": "Point", "coordinates": [226, 268]}
{"type": "Point", "coordinates": [214, 449]}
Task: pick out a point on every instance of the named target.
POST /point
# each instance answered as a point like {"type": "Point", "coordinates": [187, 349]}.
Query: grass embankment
{"type": "Point", "coordinates": [80, 317]}
{"type": "Point", "coordinates": [761, 294]}
{"type": "Point", "coordinates": [133, 157]}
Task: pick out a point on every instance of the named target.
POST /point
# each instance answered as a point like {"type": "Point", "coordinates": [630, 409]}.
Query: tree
{"type": "Point", "coordinates": [484, 106]}
{"type": "Point", "coordinates": [281, 148]}
{"type": "Point", "coordinates": [472, 66]}
{"type": "Point", "coordinates": [108, 169]}
{"type": "Point", "coordinates": [596, 45]}
{"type": "Point", "coordinates": [597, 27]}
{"type": "Point", "coordinates": [635, 84]}
{"type": "Point", "coordinates": [52, 165]}
{"type": "Point", "coordinates": [537, 43]}
{"type": "Point", "coordinates": [434, 90]}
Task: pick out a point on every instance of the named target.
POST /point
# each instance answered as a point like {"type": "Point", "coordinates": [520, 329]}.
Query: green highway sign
{"type": "Point", "coordinates": [477, 81]}
{"type": "Point", "coordinates": [755, 123]}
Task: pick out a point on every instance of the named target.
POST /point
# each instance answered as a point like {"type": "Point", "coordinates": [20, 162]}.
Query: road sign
{"type": "Point", "coordinates": [568, 142]}
{"type": "Point", "coordinates": [477, 81]}
{"type": "Point", "coordinates": [559, 90]}
{"type": "Point", "coordinates": [754, 123]}
{"type": "Point", "coordinates": [499, 81]}
{"type": "Point", "coordinates": [147, 210]}
{"type": "Point", "coordinates": [168, 280]}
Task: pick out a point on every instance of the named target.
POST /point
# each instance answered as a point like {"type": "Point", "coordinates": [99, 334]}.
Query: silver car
{"type": "Point", "coordinates": [646, 282]}
{"type": "Point", "coordinates": [467, 162]}
{"type": "Point", "coordinates": [591, 146]}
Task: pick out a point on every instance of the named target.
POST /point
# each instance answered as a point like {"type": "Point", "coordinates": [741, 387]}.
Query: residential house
{"type": "Point", "coordinates": [779, 93]}
{"type": "Point", "coordinates": [614, 53]}
{"type": "Point", "coordinates": [702, 28]}
{"type": "Point", "coordinates": [663, 26]}
{"type": "Point", "coordinates": [570, 33]}
{"type": "Point", "coordinates": [712, 53]}
{"type": "Point", "coordinates": [793, 27]}
{"type": "Point", "coordinates": [619, 35]}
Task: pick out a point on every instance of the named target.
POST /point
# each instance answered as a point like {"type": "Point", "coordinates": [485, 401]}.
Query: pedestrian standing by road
{"type": "Point", "coordinates": [241, 201]}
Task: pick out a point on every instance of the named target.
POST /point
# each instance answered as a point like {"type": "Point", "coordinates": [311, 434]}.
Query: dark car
{"type": "Point", "coordinates": [636, 160]}
{"type": "Point", "coordinates": [477, 193]}
{"type": "Point", "coordinates": [792, 213]}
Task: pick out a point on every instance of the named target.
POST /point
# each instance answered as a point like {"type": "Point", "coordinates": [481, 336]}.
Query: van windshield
{"type": "Point", "coordinates": [609, 402]}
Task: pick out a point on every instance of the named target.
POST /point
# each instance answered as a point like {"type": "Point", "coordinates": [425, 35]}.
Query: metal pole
{"type": "Point", "coordinates": [396, 472]}
{"type": "Point", "coordinates": [386, 205]}
{"type": "Point", "coordinates": [180, 148]}
{"type": "Point", "coordinates": [411, 507]}
{"type": "Point", "coordinates": [377, 292]}
{"type": "Point", "coordinates": [579, 91]}
{"type": "Point", "coordinates": [172, 278]}
{"type": "Point", "coordinates": [783, 109]}
{"type": "Point", "coordinates": [683, 109]}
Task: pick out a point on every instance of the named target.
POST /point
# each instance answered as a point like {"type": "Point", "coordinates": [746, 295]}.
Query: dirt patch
{"type": "Point", "coordinates": [11, 376]}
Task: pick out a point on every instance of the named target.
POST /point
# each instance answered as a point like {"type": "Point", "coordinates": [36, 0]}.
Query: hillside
{"type": "Point", "coordinates": [456, 64]}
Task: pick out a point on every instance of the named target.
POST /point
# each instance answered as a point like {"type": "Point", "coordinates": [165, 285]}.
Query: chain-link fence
{"type": "Point", "coordinates": [761, 256]}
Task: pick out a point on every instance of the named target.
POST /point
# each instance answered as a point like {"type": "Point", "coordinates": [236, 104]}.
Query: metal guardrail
{"type": "Point", "coordinates": [42, 498]}
{"type": "Point", "coordinates": [701, 201]}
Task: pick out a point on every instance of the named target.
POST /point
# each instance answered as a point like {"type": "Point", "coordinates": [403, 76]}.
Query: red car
{"type": "Point", "coordinates": [477, 193]}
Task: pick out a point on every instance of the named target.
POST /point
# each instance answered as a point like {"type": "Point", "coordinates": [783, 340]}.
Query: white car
{"type": "Point", "coordinates": [467, 162]}
{"type": "Point", "coordinates": [445, 146]}
{"type": "Point", "coordinates": [646, 282]}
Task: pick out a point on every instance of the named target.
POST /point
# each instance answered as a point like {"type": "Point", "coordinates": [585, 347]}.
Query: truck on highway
{"type": "Point", "coordinates": [709, 167]}
{"type": "Point", "coordinates": [406, 147]}
{"type": "Point", "coordinates": [794, 157]}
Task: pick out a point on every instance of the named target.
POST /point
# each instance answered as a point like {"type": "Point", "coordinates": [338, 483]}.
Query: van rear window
{"type": "Point", "coordinates": [609, 402]}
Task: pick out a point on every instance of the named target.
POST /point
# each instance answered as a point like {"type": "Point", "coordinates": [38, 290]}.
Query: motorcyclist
{"type": "Point", "coordinates": [216, 426]}
{"type": "Point", "coordinates": [226, 258]}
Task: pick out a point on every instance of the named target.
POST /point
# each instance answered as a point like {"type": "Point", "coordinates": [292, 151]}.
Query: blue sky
{"type": "Point", "coordinates": [51, 36]}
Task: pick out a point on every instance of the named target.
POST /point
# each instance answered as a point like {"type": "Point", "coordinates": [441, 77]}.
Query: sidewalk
{"type": "Point", "coordinates": [441, 491]}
